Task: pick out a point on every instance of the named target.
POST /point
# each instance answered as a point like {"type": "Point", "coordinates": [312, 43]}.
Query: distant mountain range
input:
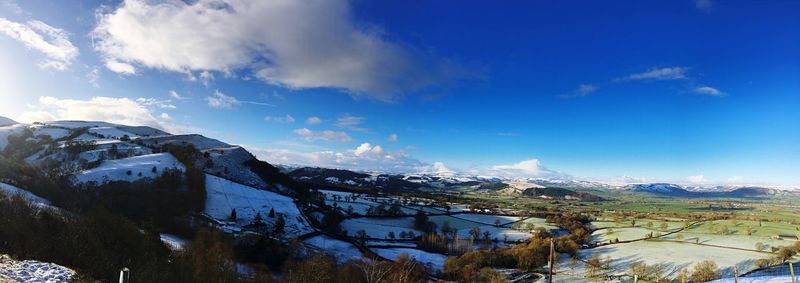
{"type": "Point", "coordinates": [678, 191]}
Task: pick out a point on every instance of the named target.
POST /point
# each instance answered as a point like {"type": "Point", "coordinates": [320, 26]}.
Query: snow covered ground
{"type": "Point", "coordinates": [343, 251]}
{"type": "Point", "coordinates": [10, 190]}
{"type": "Point", "coordinates": [173, 242]}
{"type": "Point", "coordinates": [224, 195]}
{"type": "Point", "coordinates": [379, 228]}
{"type": "Point", "coordinates": [762, 279]}
{"type": "Point", "coordinates": [624, 234]}
{"type": "Point", "coordinates": [497, 233]}
{"type": "Point", "coordinates": [433, 262]}
{"type": "Point", "coordinates": [675, 256]}
{"type": "Point", "coordinates": [487, 218]}
{"type": "Point", "coordinates": [33, 271]}
{"type": "Point", "coordinates": [139, 167]}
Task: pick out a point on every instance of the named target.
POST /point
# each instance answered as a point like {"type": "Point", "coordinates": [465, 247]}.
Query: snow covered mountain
{"type": "Point", "coordinates": [6, 121]}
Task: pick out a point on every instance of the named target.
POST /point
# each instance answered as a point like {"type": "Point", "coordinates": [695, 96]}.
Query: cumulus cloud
{"type": "Point", "coordinates": [668, 73]}
{"type": "Point", "coordinates": [295, 44]}
{"type": "Point", "coordinates": [530, 168]}
{"type": "Point", "coordinates": [707, 90]}
{"type": "Point", "coordinates": [326, 135]}
{"type": "Point", "coordinates": [107, 109]}
{"type": "Point", "coordinates": [288, 119]}
{"type": "Point", "coordinates": [220, 100]}
{"type": "Point", "coordinates": [51, 41]}
{"type": "Point", "coordinates": [313, 120]}
{"type": "Point", "coordinates": [393, 138]}
{"type": "Point", "coordinates": [351, 122]}
{"type": "Point", "coordinates": [364, 157]}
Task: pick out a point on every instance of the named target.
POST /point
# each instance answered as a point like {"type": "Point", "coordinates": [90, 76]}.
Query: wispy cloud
{"type": "Point", "coordinates": [288, 119]}
{"type": "Point", "coordinates": [667, 73]}
{"type": "Point", "coordinates": [392, 137]}
{"type": "Point", "coordinates": [51, 41]}
{"type": "Point", "coordinates": [326, 135]}
{"type": "Point", "coordinates": [150, 101]}
{"type": "Point", "coordinates": [582, 90]}
{"type": "Point", "coordinates": [351, 122]}
{"type": "Point", "coordinates": [313, 120]}
{"type": "Point", "coordinates": [707, 90]}
{"type": "Point", "coordinates": [221, 100]}
{"type": "Point", "coordinates": [704, 5]}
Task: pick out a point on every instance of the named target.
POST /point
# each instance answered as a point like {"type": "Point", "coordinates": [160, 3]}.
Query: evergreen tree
{"type": "Point", "coordinates": [271, 213]}
{"type": "Point", "coordinates": [279, 226]}
{"type": "Point", "coordinates": [232, 217]}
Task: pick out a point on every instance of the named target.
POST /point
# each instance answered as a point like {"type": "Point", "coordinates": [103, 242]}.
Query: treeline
{"type": "Point", "coordinates": [470, 266]}
{"type": "Point", "coordinates": [100, 243]}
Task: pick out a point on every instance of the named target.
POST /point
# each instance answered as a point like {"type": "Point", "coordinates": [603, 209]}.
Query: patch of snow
{"type": "Point", "coordinates": [117, 170]}
{"type": "Point", "coordinates": [7, 131]}
{"type": "Point", "coordinates": [343, 251]}
{"type": "Point", "coordinates": [34, 271]}
{"type": "Point", "coordinates": [433, 262]}
{"type": "Point", "coordinates": [28, 196]}
{"type": "Point", "coordinates": [173, 242]}
{"type": "Point", "coordinates": [379, 228]}
{"type": "Point", "coordinates": [224, 195]}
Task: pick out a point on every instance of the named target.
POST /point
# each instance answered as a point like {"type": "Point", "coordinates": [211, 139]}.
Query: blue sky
{"type": "Point", "coordinates": [694, 92]}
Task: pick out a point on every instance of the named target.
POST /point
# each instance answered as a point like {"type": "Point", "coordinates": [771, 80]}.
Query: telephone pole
{"type": "Point", "coordinates": [552, 258]}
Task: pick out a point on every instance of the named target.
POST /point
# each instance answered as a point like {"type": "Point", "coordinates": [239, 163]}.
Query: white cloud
{"type": "Point", "coordinates": [12, 6]}
{"type": "Point", "coordinates": [150, 101]}
{"type": "Point", "coordinates": [366, 148]}
{"type": "Point", "coordinates": [707, 90]}
{"type": "Point", "coordinates": [175, 95]}
{"type": "Point", "coordinates": [119, 67]}
{"type": "Point", "coordinates": [364, 157]}
{"type": "Point", "coordinates": [288, 119]}
{"type": "Point", "coordinates": [52, 42]}
{"type": "Point", "coordinates": [582, 90]}
{"type": "Point", "coordinates": [530, 168]}
{"type": "Point", "coordinates": [107, 109]}
{"type": "Point", "coordinates": [220, 100]}
{"type": "Point", "coordinates": [206, 77]}
{"type": "Point", "coordinates": [94, 77]}
{"type": "Point", "coordinates": [326, 135]}
{"type": "Point", "coordinates": [697, 179]}
{"type": "Point", "coordinates": [296, 44]}
{"type": "Point", "coordinates": [393, 137]}
{"type": "Point", "coordinates": [351, 122]}
{"type": "Point", "coordinates": [313, 120]}
{"type": "Point", "coordinates": [668, 73]}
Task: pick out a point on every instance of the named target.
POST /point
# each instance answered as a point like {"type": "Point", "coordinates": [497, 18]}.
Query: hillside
{"type": "Point", "coordinates": [6, 121]}
{"type": "Point", "coordinates": [560, 193]}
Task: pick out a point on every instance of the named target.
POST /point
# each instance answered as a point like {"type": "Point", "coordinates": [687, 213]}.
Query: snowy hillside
{"type": "Point", "coordinates": [6, 121]}
{"type": "Point", "coordinates": [224, 196]}
{"type": "Point", "coordinates": [10, 190]}
{"type": "Point", "coordinates": [8, 131]}
{"type": "Point", "coordinates": [33, 271]}
{"type": "Point", "coordinates": [130, 169]}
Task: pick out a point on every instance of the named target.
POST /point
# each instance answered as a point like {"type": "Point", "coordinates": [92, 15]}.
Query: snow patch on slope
{"type": "Point", "coordinates": [117, 170]}
{"type": "Point", "coordinates": [224, 195]}
{"type": "Point", "coordinates": [33, 271]}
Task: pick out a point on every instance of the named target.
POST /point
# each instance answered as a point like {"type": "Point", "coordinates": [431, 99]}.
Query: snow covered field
{"type": "Point", "coordinates": [343, 251]}
{"type": "Point", "coordinates": [139, 167]}
{"type": "Point", "coordinates": [497, 233]}
{"type": "Point", "coordinates": [762, 279]}
{"type": "Point", "coordinates": [675, 256]}
{"type": "Point", "coordinates": [624, 234]}
{"type": "Point", "coordinates": [224, 195]}
{"type": "Point", "coordinates": [433, 262]}
{"type": "Point", "coordinates": [379, 228]}
{"type": "Point", "coordinates": [33, 271]}
{"type": "Point", "coordinates": [487, 219]}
